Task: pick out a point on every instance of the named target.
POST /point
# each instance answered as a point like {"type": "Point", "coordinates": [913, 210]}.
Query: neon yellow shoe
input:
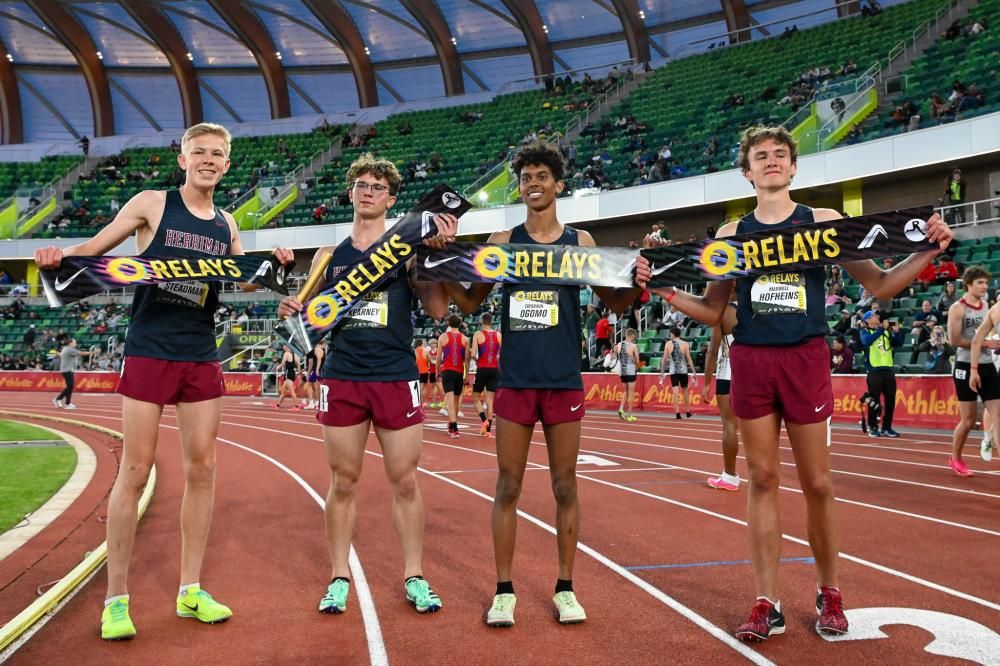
{"type": "Point", "coordinates": [570, 610]}
{"type": "Point", "coordinates": [199, 604]}
{"type": "Point", "coordinates": [115, 622]}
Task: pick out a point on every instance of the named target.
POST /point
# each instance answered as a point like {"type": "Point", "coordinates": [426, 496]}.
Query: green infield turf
{"type": "Point", "coordinates": [29, 476]}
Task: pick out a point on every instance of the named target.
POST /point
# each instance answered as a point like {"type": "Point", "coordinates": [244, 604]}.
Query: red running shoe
{"type": "Point", "coordinates": [765, 620]}
{"type": "Point", "coordinates": [830, 608]}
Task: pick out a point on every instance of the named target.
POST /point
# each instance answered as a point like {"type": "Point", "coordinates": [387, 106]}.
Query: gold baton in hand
{"type": "Point", "coordinates": [316, 272]}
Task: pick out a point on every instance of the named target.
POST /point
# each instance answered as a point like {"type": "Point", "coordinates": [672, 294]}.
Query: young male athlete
{"type": "Point", "coordinates": [966, 317]}
{"type": "Point", "coordinates": [171, 338]}
{"type": "Point", "coordinates": [370, 380]}
{"type": "Point", "coordinates": [981, 342]}
{"type": "Point", "coordinates": [454, 365]}
{"type": "Point", "coordinates": [676, 362]}
{"type": "Point", "coordinates": [485, 349]}
{"type": "Point", "coordinates": [434, 376]}
{"type": "Point", "coordinates": [628, 363]}
{"type": "Point", "coordinates": [781, 371]}
{"type": "Point", "coordinates": [423, 368]}
{"type": "Point", "coordinates": [315, 363]}
{"type": "Point", "coordinates": [717, 365]}
{"type": "Point", "coordinates": [288, 370]}
{"type": "Point", "coordinates": [539, 380]}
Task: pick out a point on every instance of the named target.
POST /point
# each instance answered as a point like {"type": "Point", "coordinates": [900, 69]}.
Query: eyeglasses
{"type": "Point", "coordinates": [376, 188]}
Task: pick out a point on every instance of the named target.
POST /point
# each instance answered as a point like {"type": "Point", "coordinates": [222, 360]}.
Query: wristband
{"type": "Point", "coordinates": [672, 296]}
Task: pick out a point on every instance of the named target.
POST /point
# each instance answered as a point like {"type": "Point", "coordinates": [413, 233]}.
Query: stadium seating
{"type": "Point", "coordinates": [14, 175]}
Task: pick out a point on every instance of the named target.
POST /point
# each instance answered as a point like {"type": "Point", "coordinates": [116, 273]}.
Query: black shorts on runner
{"type": "Point", "coordinates": [425, 378]}
{"type": "Point", "coordinates": [989, 388]}
{"type": "Point", "coordinates": [486, 380]}
{"type": "Point", "coordinates": [679, 379]}
{"type": "Point", "coordinates": [627, 379]}
{"type": "Point", "coordinates": [452, 382]}
{"type": "Point", "coordinates": [722, 387]}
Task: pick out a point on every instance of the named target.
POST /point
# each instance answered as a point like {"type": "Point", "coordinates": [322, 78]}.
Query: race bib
{"type": "Point", "coordinates": [184, 294]}
{"type": "Point", "coordinates": [781, 293]}
{"type": "Point", "coordinates": [533, 310]}
{"type": "Point", "coordinates": [961, 374]}
{"type": "Point", "coordinates": [370, 312]}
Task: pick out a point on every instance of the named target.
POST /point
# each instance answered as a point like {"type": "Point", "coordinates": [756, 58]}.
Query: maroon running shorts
{"type": "Point", "coordinates": [390, 405]}
{"type": "Point", "coordinates": [550, 406]}
{"type": "Point", "coordinates": [164, 382]}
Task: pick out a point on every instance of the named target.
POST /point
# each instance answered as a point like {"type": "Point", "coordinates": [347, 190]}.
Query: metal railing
{"type": "Point", "coordinates": [262, 345]}
{"type": "Point", "coordinates": [603, 103]}
{"type": "Point", "coordinates": [971, 213]}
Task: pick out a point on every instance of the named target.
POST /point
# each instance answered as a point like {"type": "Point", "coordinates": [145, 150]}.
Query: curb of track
{"type": "Point", "coordinates": [44, 604]}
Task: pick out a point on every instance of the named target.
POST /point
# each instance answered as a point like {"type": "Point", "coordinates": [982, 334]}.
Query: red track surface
{"type": "Point", "coordinates": [914, 535]}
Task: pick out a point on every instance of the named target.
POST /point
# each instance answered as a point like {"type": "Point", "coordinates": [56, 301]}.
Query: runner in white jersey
{"type": "Point", "coordinates": [965, 318]}
{"type": "Point", "coordinates": [678, 364]}
{"type": "Point", "coordinates": [984, 340]}
{"type": "Point", "coordinates": [628, 360]}
{"type": "Point", "coordinates": [717, 363]}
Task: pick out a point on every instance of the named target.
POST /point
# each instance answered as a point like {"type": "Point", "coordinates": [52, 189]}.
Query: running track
{"type": "Point", "coordinates": [662, 569]}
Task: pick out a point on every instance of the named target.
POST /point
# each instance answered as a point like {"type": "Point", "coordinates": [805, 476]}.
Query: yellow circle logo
{"type": "Point", "coordinates": [322, 311]}
{"type": "Point", "coordinates": [728, 253]}
{"type": "Point", "coordinates": [126, 269]}
{"type": "Point", "coordinates": [491, 262]}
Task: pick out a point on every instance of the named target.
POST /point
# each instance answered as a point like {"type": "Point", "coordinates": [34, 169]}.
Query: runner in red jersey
{"type": "Point", "coordinates": [485, 349]}
{"type": "Point", "coordinates": [454, 363]}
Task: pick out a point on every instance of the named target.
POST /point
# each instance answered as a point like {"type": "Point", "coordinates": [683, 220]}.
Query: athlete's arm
{"type": "Point", "coordinates": [887, 283]}
{"type": "Point", "coordinates": [979, 341]}
{"type": "Point", "coordinates": [690, 361]}
{"type": "Point", "coordinates": [617, 300]}
{"type": "Point", "coordinates": [468, 298]}
{"type": "Point", "coordinates": [708, 308]}
{"type": "Point", "coordinates": [137, 213]}
{"type": "Point", "coordinates": [634, 353]}
{"type": "Point", "coordinates": [474, 345]}
{"type": "Point", "coordinates": [712, 359]}
{"type": "Point", "coordinates": [668, 349]}
{"type": "Point", "coordinates": [956, 317]}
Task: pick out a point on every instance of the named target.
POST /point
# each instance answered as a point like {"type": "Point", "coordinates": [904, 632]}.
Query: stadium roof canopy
{"type": "Point", "coordinates": [391, 50]}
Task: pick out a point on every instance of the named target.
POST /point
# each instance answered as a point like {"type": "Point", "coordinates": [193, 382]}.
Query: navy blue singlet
{"type": "Point", "coordinates": [375, 343]}
{"type": "Point", "coordinates": [782, 309]}
{"type": "Point", "coordinates": [176, 321]}
{"type": "Point", "coordinates": [541, 328]}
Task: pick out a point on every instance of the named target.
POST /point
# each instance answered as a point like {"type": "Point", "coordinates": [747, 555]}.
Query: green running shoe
{"type": "Point", "coordinates": [335, 599]}
{"type": "Point", "coordinates": [420, 594]}
{"type": "Point", "coordinates": [199, 604]}
{"type": "Point", "coordinates": [115, 622]}
{"type": "Point", "coordinates": [570, 610]}
{"type": "Point", "coordinates": [501, 613]}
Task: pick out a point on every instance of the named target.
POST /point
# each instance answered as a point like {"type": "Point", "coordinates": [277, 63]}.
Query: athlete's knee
{"type": "Point", "coordinates": [564, 489]}
{"type": "Point", "coordinates": [967, 422]}
{"type": "Point", "coordinates": [133, 476]}
{"type": "Point", "coordinates": [764, 479]}
{"type": "Point", "coordinates": [404, 487]}
{"type": "Point", "coordinates": [818, 487]}
{"type": "Point", "coordinates": [200, 469]}
{"type": "Point", "coordinates": [508, 489]}
{"type": "Point", "coordinates": [344, 486]}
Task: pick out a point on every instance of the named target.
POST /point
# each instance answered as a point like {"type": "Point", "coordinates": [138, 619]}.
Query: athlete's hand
{"type": "Point", "coordinates": [661, 380]}
{"type": "Point", "coordinates": [939, 232]}
{"type": "Point", "coordinates": [991, 344]}
{"type": "Point", "coordinates": [447, 226]}
{"type": "Point", "coordinates": [284, 255]}
{"type": "Point", "coordinates": [289, 305]}
{"type": "Point", "coordinates": [705, 391]}
{"type": "Point", "coordinates": [642, 274]}
{"type": "Point", "coordinates": [48, 258]}
{"type": "Point", "coordinates": [974, 381]}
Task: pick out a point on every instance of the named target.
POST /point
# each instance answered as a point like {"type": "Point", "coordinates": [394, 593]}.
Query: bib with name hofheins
{"type": "Point", "coordinates": [375, 342]}
{"type": "Point", "coordinates": [540, 324]}
{"type": "Point", "coordinates": [782, 308]}
{"type": "Point", "coordinates": [177, 321]}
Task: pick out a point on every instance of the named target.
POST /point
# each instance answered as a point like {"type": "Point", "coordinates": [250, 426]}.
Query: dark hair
{"type": "Point", "coordinates": [675, 331]}
{"type": "Point", "coordinates": [486, 318]}
{"type": "Point", "coordinates": [839, 339]}
{"type": "Point", "coordinates": [454, 321]}
{"type": "Point", "coordinates": [540, 154]}
{"type": "Point", "coordinates": [973, 273]}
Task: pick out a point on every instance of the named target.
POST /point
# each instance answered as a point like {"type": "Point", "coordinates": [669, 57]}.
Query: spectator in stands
{"type": "Point", "coordinates": [678, 170]}
{"type": "Point", "coordinates": [841, 357]}
{"type": "Point", "coordinates": [977, 26]}
{"type": "Point", "coordinates": [927, 276]}
{"type": "Point", "coordinates": [954, 195]}
{"type": "Point", "coordinates": [436, 163]}
{"type": "Point", "coordinates": [872, 8]}
{"type": "Point", "coordinates": [924, 321]}
{"type": "Point", "coordinates": [947, 297]}
{"type": "Point", "coordinates": [853, 135]}
{"type": "Point", "coordinates": [657, 172]}
{"type": "Point", "coordinates": [844, 325]}
{"type": "Point", "coordinates": [84, 144]}
{"type": "Point", "coordinates": [319, 215]}
{"type": "Point", "coordinates": [28, 340]}
{"type": "Point", "coordinates": [4, 276]}
{"type": "Point", "coordinates": [939, 353]}
{"type": "Point", "coordinates": [835, 294]}
{"type": "Point", "coordinates": [946, 268]}
{"type": "Point", "coordinates": [405, 128]}
{"type": "Point", "coordinates": [939, 108]}
{"type": "Point", "coordinates": [954, 30]}
{"type": "Point", "coordinates": [174, 146]}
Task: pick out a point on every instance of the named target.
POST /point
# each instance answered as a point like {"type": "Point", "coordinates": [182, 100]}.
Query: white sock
{"type": "Point", "coordinates": [117, 597]}
{"type": "Point", "coordinates": [184, 588]}
{"type": "Point", "coordinates": [731, 478]}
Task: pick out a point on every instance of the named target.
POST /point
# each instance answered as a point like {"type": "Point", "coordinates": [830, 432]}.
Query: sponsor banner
{"type": "Point", "coordinates": [792, 248]}
{"type": "Point", "coordinates": [376, 266]}
{"type": "Point", "coordinates": [922, 401]}
{"type": "Point", "coordinates": [237, 383]}
{"type": "Point", "coordinates": [513, 263]}
{"type": "Point", "coordinates": [80, 277]}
